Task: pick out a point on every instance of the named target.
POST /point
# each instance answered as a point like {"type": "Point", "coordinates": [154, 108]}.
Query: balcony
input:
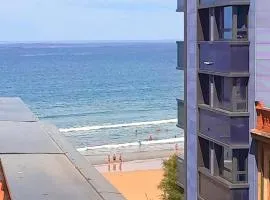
{"type": "Point", "coordinates": [224, 58]}
{"type": "Point", "coordinates": [180, 173]}
{"type": "Point", "coordinates": [215, 3]}
{"type": "Point", "coordinates": [223, 129]}
{"type": "Point", "coordinates": [180, 55]}
{"type": "Point", "coordinates": [180, 6]}
{"type": "Point", "coordinates": [180, 113]}
{"type": "Point", "coordinates": [212, 187]}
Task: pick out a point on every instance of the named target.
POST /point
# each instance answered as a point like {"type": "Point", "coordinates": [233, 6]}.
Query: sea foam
{"type": "Point", "coordinates": [143, 143]}
{"type": "Point", "coordinates": [89, 128]}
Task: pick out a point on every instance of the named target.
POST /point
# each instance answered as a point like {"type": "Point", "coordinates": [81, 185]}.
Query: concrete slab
{"type": "Point", "coordinates": [45, 176]}
{"type": "Point", "coordinates": [97, 180]}
{"type": "Point", "coordinates": [13, 109]}
{"type": "Point", "coordinates": [25, 137]}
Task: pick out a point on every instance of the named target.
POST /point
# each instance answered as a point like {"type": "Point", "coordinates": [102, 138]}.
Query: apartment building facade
{"type": "Point", "coordinates": [227, 51]}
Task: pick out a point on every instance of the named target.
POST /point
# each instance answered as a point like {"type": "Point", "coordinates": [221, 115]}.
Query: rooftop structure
{"type": "Point", "coordinates": [36, 162]}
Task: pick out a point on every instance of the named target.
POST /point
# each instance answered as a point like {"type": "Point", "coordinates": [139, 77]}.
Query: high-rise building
{"type": "Point", "coordinates": [226, 72]}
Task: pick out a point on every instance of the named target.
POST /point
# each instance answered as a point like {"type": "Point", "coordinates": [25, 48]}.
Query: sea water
{"type": "Point", "coordinates": [100, 95]}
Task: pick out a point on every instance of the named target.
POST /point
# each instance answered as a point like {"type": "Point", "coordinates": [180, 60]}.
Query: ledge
{"type": "Point", "coordinates": [223, 112]}
{"type": "Point", "coordinates": [222, 181]}
{"type": "Point", "coordinates": [230, 74]}
{"type": "Point", "coordinates": [260, 135]}
{"type": "Point", "coordinates": [228, 3]}
{"type": "Point", "coordinates": [231, 42]}
{"type": "Point", "coordinates": [180, 68]}
{"type": "Point", "coordinates": [241, 146]}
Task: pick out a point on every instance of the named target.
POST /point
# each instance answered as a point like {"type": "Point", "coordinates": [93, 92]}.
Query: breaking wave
{"type": "Point", "coordinates": [89, 128]}
{"type": "Point", "coordinates": [116, 146]}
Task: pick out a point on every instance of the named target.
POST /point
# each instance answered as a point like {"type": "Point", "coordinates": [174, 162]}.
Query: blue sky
{"type": "Point", "coordinates": [71, 20]}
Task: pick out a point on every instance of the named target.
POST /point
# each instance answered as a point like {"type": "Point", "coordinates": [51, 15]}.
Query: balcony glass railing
{"type": "Point", "coordinates": [215, 188]}
{"type": "Point", "coordinates": [223, 57]}
{"type": "Point", "coordinates": [231, 131]}
{"type": "Point", "coordinates": [180, 173]}
{"type": "Point", "coordinates": [180, 113]}
{"type": "Point", "coordinates": [180, 5]}
{"type": "Point", "coordinates": [180, 55]}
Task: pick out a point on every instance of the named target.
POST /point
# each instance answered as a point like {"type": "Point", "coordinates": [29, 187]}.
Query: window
{"type": "Point", "coordinates": [204, 96]}
{"type": "Point", "coordinates": [232, 22]}
{"type": "Point", "coordinates": [242, 22]}
{"type": "Point", "coordinates": [231, 93]}
{"type": "Point", "coordinates": [204, 153]}
{"type": "Point", "coordinates": [227, 164]}
{"type": "Point", "coordinates": [226, 23]}
{"type": "Point", "coordinates": [234, 165]}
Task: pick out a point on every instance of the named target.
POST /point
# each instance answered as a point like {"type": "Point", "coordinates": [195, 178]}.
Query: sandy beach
{"type": "Point", "coordinates": [137, 185]}
{"type": "Point", "coordinates": [137, 180]}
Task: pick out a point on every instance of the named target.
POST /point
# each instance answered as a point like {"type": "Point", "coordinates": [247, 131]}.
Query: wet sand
{"type": "Point", "coordinates": [98, 159]}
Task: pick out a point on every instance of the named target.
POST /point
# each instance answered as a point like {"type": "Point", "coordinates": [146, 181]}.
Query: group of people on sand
{"type": "Point", "coordinates": [115, 161]}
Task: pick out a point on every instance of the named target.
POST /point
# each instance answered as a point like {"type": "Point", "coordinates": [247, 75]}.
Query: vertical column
{"type": "Point", "coordinates": [191, 98]}
{"type": "Point", "coordinates": [252, 168]}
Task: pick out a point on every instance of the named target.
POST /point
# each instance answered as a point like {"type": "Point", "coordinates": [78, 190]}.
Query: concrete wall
{"type": "Point", "coordinates": [191, 143]}
{"type": "Point", "coordinates": [262, 51]}
{"type": "Point", "coordinates": [252, 168]}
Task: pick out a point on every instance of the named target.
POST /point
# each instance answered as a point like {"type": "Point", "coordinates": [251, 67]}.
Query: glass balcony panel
{"type": "Point", "coordinates": [180, 113]}
{"type": "Point", "coordinates": [180, 5]}
{"type": "Point", "coordinates": [180, 55]}
{"type": "Point", "coordinates": [219, 190]}
{"type": "Point", "coordinates": [180, 173]}
{"type": "Point", "coordinates": [222, 57]}
{"type": "Point", "coordinates": [224, 129]}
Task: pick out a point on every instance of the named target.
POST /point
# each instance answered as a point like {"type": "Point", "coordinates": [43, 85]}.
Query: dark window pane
{"type": "Point", "coordinates": [242, 17]}
{"type": "Point", "coordinates": [242, 177]}
{"type": "Point", "coordinates": [242, 22]}
{"type": "Point", "coordinates": [241, 156]}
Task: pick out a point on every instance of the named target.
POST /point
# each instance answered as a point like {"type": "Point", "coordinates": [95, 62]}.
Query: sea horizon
{"type": "Point", "coordinates": [88, 41]}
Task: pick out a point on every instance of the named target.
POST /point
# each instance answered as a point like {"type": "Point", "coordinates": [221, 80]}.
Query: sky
{"type": "Point", "coordinates": [88, 20]}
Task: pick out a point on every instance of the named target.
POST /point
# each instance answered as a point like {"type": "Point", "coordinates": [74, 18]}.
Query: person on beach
{"type": "Point", "coordinates": [140, 143]}
{"type": "Point", "coordinates": [176, 148]}
{"type": "Point", "coordinates": [120, 162]}
{"type": "Point", "coordinates": [114, 158]}
{"type": "Point", "coordinates": [120, 158]}
{"type": "Point", "coordinates": [109, 159]}
{"type": "Point", "coordinates": [120, 166]}
{"type": "Point", "coordinates": [150, 137]}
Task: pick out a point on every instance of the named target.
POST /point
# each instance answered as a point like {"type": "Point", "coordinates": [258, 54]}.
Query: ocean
{"type": "Point", "coordinates": [100, 95]}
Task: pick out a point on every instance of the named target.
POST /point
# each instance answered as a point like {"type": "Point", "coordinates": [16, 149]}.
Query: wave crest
{"type": "Point", "coordinates": [89, 128]}
{"type": "Point", "coordinates": [116, 146]}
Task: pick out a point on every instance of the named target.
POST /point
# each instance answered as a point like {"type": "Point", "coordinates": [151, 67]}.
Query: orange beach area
{"type": "Point", "coordinates": [137, 185]}
{"type": "Point", "coordinates": [136, 180]}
